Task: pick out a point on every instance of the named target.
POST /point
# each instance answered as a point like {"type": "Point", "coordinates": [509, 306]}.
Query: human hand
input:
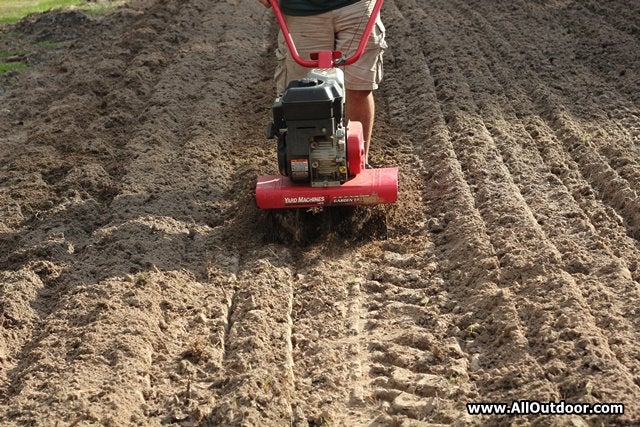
{"type": "Point", "coordinates": [265, 3]}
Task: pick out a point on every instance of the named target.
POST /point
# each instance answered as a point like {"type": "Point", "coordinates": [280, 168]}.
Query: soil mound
{"type": "Point", "coordinates": [54, 26]}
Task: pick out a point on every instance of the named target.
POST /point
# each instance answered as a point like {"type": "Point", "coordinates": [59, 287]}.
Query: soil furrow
{"type": "Point", "coordinates": [471, 264]}
{"type": "Point", "coordinates": [557, 159]}
{"type": "Point", "coordinates": [517, 273]}
{"type": "Point", "coordinates": [611, 188]}
{"type": "Point", "coordinates": [605, 320]}
{"type": "Point", "coordinates": [477, 153]}
{"type": "Point", "coordinates": [580, 245]}
{"type": "Point", "coordinates": [614, 189]}
{"type": "Point", "coordinates": [257, 372]}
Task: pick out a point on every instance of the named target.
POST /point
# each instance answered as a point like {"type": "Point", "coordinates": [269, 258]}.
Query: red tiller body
{"type": "Point", "coordinates": [369, 187]}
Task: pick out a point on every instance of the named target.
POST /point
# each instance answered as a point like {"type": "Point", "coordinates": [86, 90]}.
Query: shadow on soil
{"type": "Point", "coordinates": [306, 227]}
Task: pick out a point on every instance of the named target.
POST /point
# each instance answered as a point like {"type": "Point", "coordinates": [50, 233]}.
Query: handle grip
{"type": "Point", "coordinates": [326, 59]}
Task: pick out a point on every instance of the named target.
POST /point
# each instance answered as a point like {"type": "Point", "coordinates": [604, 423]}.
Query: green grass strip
{"type": "Point", "coordinates": [5, 67]}
{"type": "Point", "coordinates": [12, 11]}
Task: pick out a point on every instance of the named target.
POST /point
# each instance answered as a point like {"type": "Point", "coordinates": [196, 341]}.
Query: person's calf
{"type": "Point", "coordinates": [361, 108]}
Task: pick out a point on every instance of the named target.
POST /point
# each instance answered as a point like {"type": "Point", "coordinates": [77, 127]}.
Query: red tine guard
{"type": "Point", "coordinates": [326, 61]}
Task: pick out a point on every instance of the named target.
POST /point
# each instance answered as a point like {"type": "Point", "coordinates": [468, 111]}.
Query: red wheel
{"type": "Point", "coordinates": [355, 148]}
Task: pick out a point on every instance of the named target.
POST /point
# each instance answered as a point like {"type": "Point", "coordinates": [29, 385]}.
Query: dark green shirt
{"type": "Point", "coordinates": [311, 7]}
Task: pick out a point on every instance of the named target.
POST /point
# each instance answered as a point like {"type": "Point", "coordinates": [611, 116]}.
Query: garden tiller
{"type": "Point", "coordinates": [321, 156]}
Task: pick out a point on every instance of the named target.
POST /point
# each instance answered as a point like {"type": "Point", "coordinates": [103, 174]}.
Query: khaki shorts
{"type": "Point", "coordinates": [340, 30]}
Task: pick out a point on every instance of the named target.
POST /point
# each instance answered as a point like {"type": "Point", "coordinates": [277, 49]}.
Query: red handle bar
{"type": "Point", "coordinates": [326, 59]}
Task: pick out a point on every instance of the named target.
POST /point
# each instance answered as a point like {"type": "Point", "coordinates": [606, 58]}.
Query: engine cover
{"type": "Point", "coordinates": [307, 120]}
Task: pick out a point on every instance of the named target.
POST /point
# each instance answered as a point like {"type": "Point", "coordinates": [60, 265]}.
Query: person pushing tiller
{"type": "Point", "coordinates": [323, 118]}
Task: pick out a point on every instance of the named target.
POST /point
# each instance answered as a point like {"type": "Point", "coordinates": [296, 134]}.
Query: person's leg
{"type": "Point", "coordinates": [361, 108]}
{"type": "Point", "coordinates": [362, 77]}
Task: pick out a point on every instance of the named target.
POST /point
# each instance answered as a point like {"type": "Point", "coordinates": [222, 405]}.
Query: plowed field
{"type": "Point", "coordinates": [140, 285]}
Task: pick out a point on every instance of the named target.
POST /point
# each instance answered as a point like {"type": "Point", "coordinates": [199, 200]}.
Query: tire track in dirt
{"type": "Point", "coordinates": [418, 371]}
{"type": "Point", "coordinates": [327, 352]}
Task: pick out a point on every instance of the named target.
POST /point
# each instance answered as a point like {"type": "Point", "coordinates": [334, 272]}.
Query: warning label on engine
{"type": "Point", "coordinates": [299, 165]}
{"type": "Point", "coordinates": [299, 169]}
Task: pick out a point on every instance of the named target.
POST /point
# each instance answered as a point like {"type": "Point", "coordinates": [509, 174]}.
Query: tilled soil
{"type": "Point", "coordinates": [141, 285]}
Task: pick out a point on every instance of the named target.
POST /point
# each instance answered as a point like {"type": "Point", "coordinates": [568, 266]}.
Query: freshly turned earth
{"type": "Point", "coordinates": [140, 285]}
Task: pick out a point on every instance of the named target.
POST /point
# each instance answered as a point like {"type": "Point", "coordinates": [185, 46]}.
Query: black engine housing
{"type": "Point", "coordinates": [308, 123]}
